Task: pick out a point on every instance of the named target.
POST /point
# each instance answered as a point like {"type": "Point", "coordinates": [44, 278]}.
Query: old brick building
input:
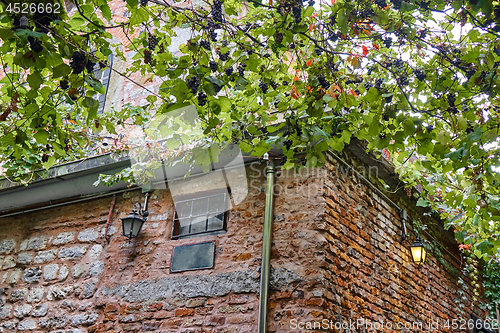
{"type": "Point", "coordinates": [336, 255]}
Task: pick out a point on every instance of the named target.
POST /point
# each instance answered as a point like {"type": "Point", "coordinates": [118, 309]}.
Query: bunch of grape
{"type": "Point", "coordinates": [205, 44]}
{"type": "Point", "coordinates": [323, 82]}
{"type": "Point", "coordinates": [77, 62]}
{"type": "Point", "coordinates": [287, 144]}
{"type": "Point", "coordinates": [152, 42]}
{"type": "Point", "coordinates": [35, 44]}
{"type": "Point", "coordinates": [193, 83]}
{"type": "Point", "coordinates": [451, 99]}
{"type": "Point", "coordinates": [387, 42]}
{"type": "Point", "coordinates": [403, 81]}
{"type": "Point", "coordinates": [263, 86]}
{"type": "Point", "coordinates": [296, 10]}
{"type": "Point", "coordinates": [396, 4]}
{"type": "Point", "coordinates": [144, 3]}
{"type": "Point", "coordinates": [318, 51]}
{"type": "Point", "coordinates": [241, 69]}
{"type": "Point", "coordinates": [147, 56]}
{"type": "Point", "coordinates": [202, 98]}
{"type": "Point", "coordinates": [229, 71]}
{"type": "Point", "coordinates": [223, 56]}
{"type": "Point", "coordinates": [420, 74]}
{"type": "Point", "coordinates": [89, 66]}
{"type": "Point", "coordinates": [214, 66]}
{"type": "Point", "coordinates": [381, 3]}
{"type": "Point", "coordinates": [217, 11]}
{"type": "Point", "coordinates": [64, 84]}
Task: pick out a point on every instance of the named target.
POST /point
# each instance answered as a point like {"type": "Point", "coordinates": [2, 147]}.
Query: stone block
{"type": "Point", "coordinates": [35, 295]}
{"type": "Point", "coordinates": [79, 270]}
{"type": "Point", "coordinates": [57, 321]}
{"type": "Point", "coordinates": [40, 310]}
{"type": "Point", "coordinates": [7, 245]}
{"type": "Point", "coordinates": [44, 256]}
{"type": "Point", "coordinates": [26, 324]}
{"type": "Point", "coordinates": [63, 273]}
{"type": "Point", "coordinates": [5, 310]}
{"type": "Point", "coordinates": [96, 268]}
{"type": "Point", "coordinates": [37, 243]}
{"type": "Point", "coordinates": [89, 288]}
{"type": "Point", "coordinates": [238, 299]}
{"type": "Point", "coordinates": [18, 294]}
{"type": "Point", "coordinates": [95, 251]}
{"type": "Point", "coordinates": [194, 303]}
{"type": "Point", "coordinates": [22, 310]}
{"type": "Point", "coordinates": [83, 319]}
{"type": "Point", "coordinates": [32, 274]}
{"type": "Point", "coordinates": [88, 235]}
{"type": "Point", "coordinates": [24, 258]}
{"type": "Point", "coordinates": [74, 252]}
{"type": "Point", "coordinates": [9, 262]}
{"type": "Point", "coordinates": [15, 275]}
{"type": "Point", "coordinates": [63, 238]}
{"type": "Point", "coordinates": [50, 272]}
{"type": "Point", "coordinates": [59, 292]}
{"type": "Point", "coordinates": [10, 325]}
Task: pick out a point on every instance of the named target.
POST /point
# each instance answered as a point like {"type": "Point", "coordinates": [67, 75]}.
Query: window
{"type": "Point", "coordinates": [103, 76]}
{"type": "Point", "coordinates": [201, 215]}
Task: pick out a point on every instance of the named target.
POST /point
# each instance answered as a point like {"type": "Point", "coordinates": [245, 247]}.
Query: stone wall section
{"type": "Point", "coordinates": [60, 275]}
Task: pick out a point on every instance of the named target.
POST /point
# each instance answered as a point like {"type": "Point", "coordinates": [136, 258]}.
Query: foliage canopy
{"type": "Point", "coordinates": [418, 78]}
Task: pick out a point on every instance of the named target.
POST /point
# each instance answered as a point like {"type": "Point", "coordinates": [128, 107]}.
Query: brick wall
{"type": "Point", "coordinates": [369, 273]}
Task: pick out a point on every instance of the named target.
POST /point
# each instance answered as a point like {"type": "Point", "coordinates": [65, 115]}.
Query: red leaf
{"type": "Point", "coordinates": [309, 62]}
{"type": "Point", "coordinates": [365, 51]}
{"type": "Point", "coordinates": [375, 46]}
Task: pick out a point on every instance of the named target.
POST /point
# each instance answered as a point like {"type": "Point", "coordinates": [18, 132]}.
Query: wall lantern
{"type": "Point", "coordinates": [23, 22]}
{"type": "Point", "coordinates": [418, 252]}
{"type": "Point", "coordinates": [132, 224]}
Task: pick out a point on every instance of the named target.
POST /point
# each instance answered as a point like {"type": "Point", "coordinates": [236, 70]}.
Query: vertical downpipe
{"type": "Point", "coordinates": [266, 247]}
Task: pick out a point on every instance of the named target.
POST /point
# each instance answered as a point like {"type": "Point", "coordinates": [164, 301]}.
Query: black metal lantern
{"type": "Point", "coordinates": [418, 252]}
{"type": "Point", "coordinates": [23, 22]}
{"type": "Point", "coordinates": [132, 224]}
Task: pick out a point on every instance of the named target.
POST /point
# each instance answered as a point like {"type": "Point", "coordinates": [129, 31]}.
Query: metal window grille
{"type": "Point", "coordinates": [200, 215]}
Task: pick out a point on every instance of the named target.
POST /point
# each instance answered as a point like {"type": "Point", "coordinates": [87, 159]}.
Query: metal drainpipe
{"type": "Point", "coordinates": [266, 247]}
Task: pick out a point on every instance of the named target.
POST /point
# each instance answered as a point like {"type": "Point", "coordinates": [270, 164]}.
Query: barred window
{"type": "Point", "coordinates": [201, 215]}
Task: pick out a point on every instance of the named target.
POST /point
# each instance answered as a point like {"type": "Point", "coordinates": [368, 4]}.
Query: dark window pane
{"type": "Point", "coordinates": [198, 224]}
{"type": "Point", "coordinates": [193, 256]}
{"type": "Point", "coordinates": [216, 222]}
{"type": "Point", "coordinates": [183, 226]}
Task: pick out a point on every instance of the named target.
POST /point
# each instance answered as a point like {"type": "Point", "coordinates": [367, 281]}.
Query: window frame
{"type": "Point", "coordinates": [197, 196]}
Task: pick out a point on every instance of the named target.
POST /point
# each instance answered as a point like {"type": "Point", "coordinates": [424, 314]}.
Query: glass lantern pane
{"type": "Point", "coordinates": [416, 253]}
{"type": "Point", "coordinates": [126, 223]}
{"type": "Point", "coordinates": [136, 228]}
